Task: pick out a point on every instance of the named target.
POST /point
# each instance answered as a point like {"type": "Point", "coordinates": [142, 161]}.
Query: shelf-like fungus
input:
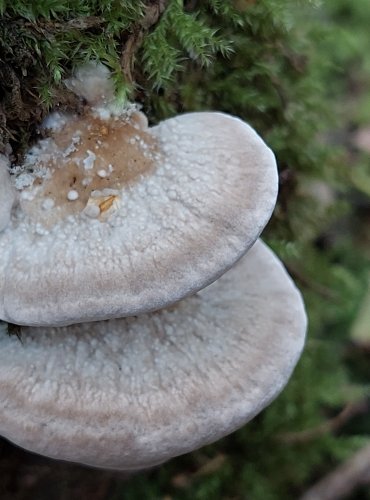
{"type": "Point", "coordinates": [7, 195]}
{"type": "Point", "coordinates": [116, 219]}
{"type": "Point", "coordinates": [131, 393]}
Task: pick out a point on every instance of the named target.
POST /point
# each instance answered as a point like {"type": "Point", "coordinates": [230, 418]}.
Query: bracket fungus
{"type": "Point", "coordinates": [7, 195]}
{"type": "Point", "coordinates": [131, 393]}
{"type": "Point", "coordinates": [131, 352]}
{"type": "Point", "coordinates": [116, 219]}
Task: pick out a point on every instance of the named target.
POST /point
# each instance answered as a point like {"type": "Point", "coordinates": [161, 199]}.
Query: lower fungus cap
{"type": "Point", "coordinates": [179, 204]}
{"type": "Point", "coordinates": [131, 393]}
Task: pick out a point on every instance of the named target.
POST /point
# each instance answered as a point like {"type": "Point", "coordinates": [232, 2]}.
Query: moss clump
{"type": "Point", "coordinates": [143, 43]}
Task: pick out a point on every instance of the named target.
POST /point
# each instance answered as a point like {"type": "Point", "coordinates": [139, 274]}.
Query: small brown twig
{"type": "Point", "coordinates": [343, 480]}
{"type": "Point", "coordinates": [184, 480]}
{"type": "Point", "coordinates": [50, 27]}
{"type": "Point", "coordinates": [135, 39]}
{"type": "Point", "coordinates": [332, 425]}
{"type": "Point", "coordinates": [316, 287]}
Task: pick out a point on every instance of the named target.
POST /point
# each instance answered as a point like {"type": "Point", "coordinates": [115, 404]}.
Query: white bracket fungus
{"type": "Point", "coordinates": [116, 219]}
{"type": "Point", "coordinates": [191, 195]}
{"type": "Point", "coordinates": [7, 194]}
{"type": "Point", "coordinates": [131, 393]}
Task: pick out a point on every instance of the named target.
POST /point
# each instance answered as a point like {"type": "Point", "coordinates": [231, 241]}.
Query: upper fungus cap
{"type": "Point", "coordinates": [117, 219]}
{"type": "Point", "coordinates": [133, 392]}
{"type": "Point", "coordinates": [7, 195]}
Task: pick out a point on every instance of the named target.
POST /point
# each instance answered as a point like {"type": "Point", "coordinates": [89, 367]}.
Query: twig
{"type": "Point", "coordinates": [184, 480]}
{"type": "Point", "coordinates": [332, 425]}
{"type": "Point", "coordinates": [343, 480]}
{"type": "Point", "coordinates": [134, 41]}
{"type": "Point", "coordinates": [79, 23]}
{"type": "Point", "coordinates": [316, 287]}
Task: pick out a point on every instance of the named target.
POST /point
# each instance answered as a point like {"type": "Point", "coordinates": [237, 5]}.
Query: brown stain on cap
{"type": "Point", "coordinates": [90, 154]}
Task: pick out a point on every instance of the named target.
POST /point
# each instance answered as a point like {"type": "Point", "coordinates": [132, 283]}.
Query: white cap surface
{"type": "Point", "coordinates": [134, 392]}
{"type": "Point", "coordinates": [180, 204]}
{"type": "Point", "coordinates": [7, 195]}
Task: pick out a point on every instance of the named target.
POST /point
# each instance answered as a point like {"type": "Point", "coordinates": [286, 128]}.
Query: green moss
{"type": "Point", "coordinates": [141, 42]}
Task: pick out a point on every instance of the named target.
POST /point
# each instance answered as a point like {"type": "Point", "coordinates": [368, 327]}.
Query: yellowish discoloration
{"type": "Point", "coordinates": [104, 131]}
{"type": "Point", "coordinates": [101, 206]}
{"type": "Point", "coordinates": [107, 203]}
